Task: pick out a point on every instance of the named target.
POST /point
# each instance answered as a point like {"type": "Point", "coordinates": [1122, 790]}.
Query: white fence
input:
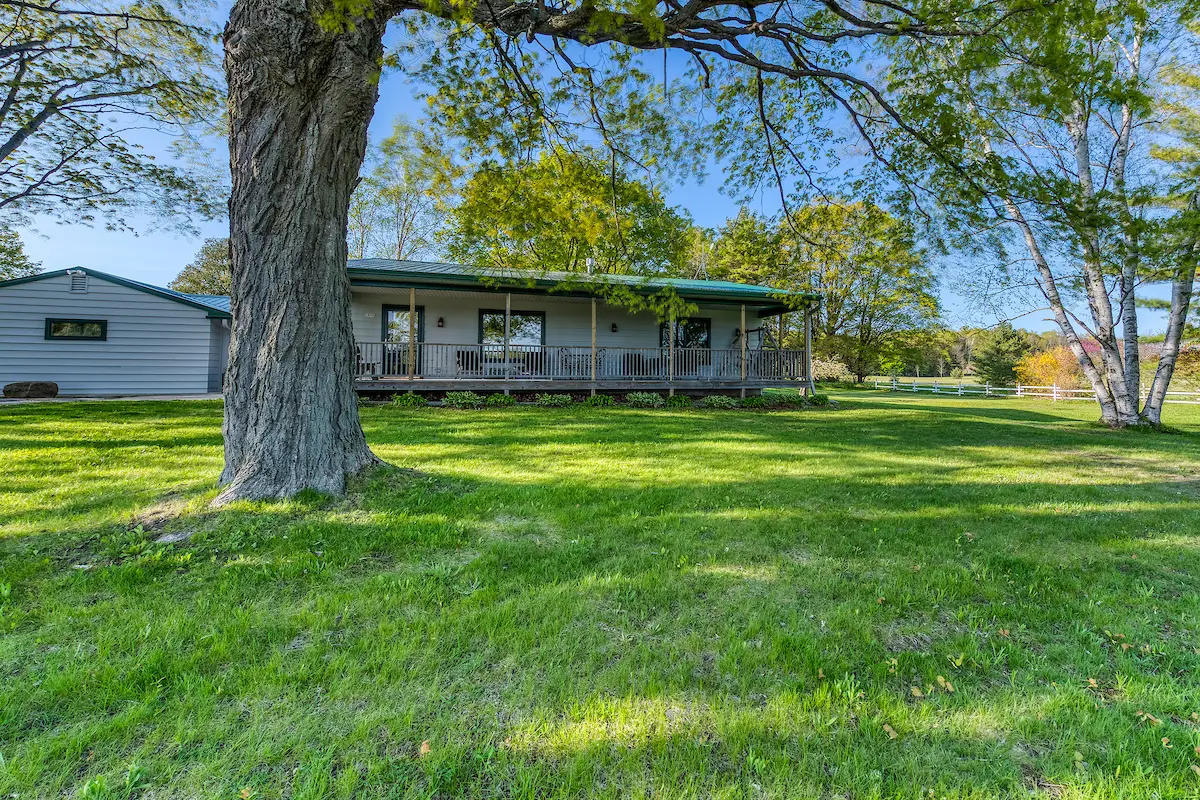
{"type": "Point", "coordinates": [1052, 392]}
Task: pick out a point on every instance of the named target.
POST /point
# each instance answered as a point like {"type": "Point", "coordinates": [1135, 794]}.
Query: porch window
{"type": "Point", "coordinates": [688, 333]}
{"type": "Point", "coordinates": [524, 327]}
{"type": "Point", "coordinates": [395, 323]}
{"type": "Point", "coordinates": [84, 329]}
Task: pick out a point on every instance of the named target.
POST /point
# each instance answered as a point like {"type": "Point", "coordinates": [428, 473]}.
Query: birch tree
{"type": "Point", "coordinates": [1051, 141]}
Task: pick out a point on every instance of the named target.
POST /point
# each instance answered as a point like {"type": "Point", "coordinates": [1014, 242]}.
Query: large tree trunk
{"type": "Point", "coordinates": [300, 99]}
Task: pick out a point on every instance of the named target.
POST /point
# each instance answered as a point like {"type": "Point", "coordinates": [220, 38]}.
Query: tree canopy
{"type": "Point", "coordinates": [82, 90]}
{"type": "Point", "coordinates": [209, 271]}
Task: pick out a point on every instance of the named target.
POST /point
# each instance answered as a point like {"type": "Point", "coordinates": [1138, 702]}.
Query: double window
{"type": "Point", "coordinates": [95, 330]}
{"type": "Point", "coordinates": [524, 327]}
{"type": "Point", "coordinates": [688, 333]}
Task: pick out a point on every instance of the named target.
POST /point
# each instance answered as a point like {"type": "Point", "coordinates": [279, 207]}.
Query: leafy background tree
{"type": "Point", "coordinates": [562, 210]}
{"type": "Point", "coordinates": [394, 211]}
{"type": "Point", "coordinates": [209, 271]}
{"type": "Point", "coordinates": [14, 263]}
{"type": "Point", "coordinates": [877, 286]}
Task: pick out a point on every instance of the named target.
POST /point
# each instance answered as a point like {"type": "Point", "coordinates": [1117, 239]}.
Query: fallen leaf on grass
{"type": "Point", "coordinates": [945, 684]}
{"type": "Point", "coordinates": [916, 692]}
{"type": "Point", "coordinates": [425, 748]}
{"type": "Point", "coordinates": [1166, 740]}
{"type": "Point", "coordinates": [246, 793]}
{"type": "Point", "coordinates": [1195, 769]}
{"type": "Point", "coordinates": [1147, 717]}
{"type": "Point", "coordinates": [1004, 632]}
{"type": "Point", "coordinates": [891, 732]}
{"type": "Point", "coordinates": [881, 600]}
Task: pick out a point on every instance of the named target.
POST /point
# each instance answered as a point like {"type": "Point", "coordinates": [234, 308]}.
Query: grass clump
{"type": "Point", "coordinates": [500, 400]}
{"type": "Point", "coordinates": [409, 400]}
{"type": "Point", "coordinates": [644, 400]}
{"type": "Point", "coordinates": [680, 401]}
{"type": "Point", "coordinates": [553, 400]}
{"type": "Point", "coordinates": [463, 400]}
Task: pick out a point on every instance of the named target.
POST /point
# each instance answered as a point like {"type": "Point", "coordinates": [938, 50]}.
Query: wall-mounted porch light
{"type": "Point", "coordinates": [614, 328]}
{"type": "Point", "coordinates": [441, 322]}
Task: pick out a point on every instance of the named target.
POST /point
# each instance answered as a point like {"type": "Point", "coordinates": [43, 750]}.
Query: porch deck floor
{"type": "Point", "coordinates": [562, 385]}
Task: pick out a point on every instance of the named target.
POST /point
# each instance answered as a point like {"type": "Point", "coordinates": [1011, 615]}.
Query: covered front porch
{"type": "Point", "coordinates": [437, 337]}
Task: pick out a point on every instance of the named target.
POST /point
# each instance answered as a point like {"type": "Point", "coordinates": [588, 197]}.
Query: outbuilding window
{"type": "Point", "coordinates": [78, 329]}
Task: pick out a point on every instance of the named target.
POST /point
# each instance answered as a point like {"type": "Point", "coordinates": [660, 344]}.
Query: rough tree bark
{"type": "Point", "coordinates": [300, 100]}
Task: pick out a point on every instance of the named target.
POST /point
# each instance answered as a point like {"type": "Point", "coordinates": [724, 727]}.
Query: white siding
{"type": "Point", "coordinates": [154, 346]}
{"type": "Point", "coordinates": [568, 320]}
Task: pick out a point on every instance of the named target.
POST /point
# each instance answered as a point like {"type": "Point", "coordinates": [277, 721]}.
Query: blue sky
{"type": "Point", "coordinates": [157, 256]}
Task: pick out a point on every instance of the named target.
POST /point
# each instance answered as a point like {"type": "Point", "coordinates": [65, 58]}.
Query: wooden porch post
{"type": "Point", "coordinates": [412, 336]}
{"type": "Point", "coordinates": [782, 314]}
{"type": "Point", "coordinates": [671, 355]}
{"type": "Point", "coordinates": [507, 320]}
{"type": "Point", "coordinates": [743, 338]}
{"type": "Point", "coordinates": [593, 392]}
{"type": "Point", "coordinates": [810, 387]}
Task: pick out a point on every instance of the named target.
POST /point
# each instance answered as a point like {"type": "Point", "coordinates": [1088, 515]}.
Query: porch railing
{"type": "Point", "coordinates": [383, 360]}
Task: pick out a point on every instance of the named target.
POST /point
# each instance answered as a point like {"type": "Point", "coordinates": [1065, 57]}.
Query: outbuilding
{"type": "Point", "coordinates": [98, 334]}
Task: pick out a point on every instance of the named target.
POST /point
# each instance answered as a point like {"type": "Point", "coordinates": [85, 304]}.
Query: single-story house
{"type": "Point", "coordinates": [418, 325]}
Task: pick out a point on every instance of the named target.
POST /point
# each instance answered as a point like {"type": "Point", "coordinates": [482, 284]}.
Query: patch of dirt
{"type": "Point", "coordinates": [169, 508]}
{"type": "Point", "coordinates": [911, 642]}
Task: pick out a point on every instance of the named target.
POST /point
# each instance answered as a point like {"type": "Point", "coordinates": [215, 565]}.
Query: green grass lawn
{"type": "Point", "coordinates": [904, 597]}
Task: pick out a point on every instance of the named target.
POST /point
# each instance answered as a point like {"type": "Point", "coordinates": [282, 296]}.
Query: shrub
{"type": "Point", "coordinates": [408, 400]}
{"type": "Point", "coordinates": [553, 400]}
{"type": "Point", "coordinates": [831, 369]}
{"type": "Point", "coordinates": [758, 401]}
{"type": "Point", "coordinates": [788, 401]}
{"type": "Point", "coordinates": [462, 400]}
{"type": "Point", "coordinates": [600, 401]}
{"type": "Point", "coordinates": [720, 401]}
{"type": "Point", "coordinates": [680, 401]}
{"type": "Point", "coordinates": [1057, 365]}
{"type": "Point", "coordinates": [644, 400]}
{"type": "Point", "coordinates": [820, 400]}
{"type": "Point", "coordinates": [498, 400]}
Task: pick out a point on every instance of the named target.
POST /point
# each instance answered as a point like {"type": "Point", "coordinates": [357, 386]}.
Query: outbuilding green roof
{"type": "Point", "coordinates": [368, 271]}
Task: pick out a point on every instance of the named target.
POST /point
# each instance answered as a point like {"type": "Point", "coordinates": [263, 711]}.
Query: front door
{"type": "Point", "coordinates": [395, 337]}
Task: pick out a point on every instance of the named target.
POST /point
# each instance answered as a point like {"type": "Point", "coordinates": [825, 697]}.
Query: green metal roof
{"type": "Point", "coordinates": [216, 306]}
{"type": "Point", "coordinates": [436, 273]}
